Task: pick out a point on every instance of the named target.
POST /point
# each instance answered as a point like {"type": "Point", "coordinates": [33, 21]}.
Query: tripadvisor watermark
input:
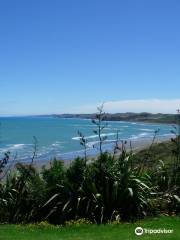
{"type": "Point", "coordinates": [140, 231]}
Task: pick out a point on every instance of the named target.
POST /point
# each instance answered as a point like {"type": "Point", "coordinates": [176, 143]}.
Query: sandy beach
{"type": "Point", "coordinates": [135, 144]}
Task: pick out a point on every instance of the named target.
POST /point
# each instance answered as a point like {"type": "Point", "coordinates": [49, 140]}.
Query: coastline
{"type": "Point", "coordinates": [140, 135]}
{"type": "Point", "coordinates": [137, 145]}
{"type": "Point", "coordinates": [142, 117]}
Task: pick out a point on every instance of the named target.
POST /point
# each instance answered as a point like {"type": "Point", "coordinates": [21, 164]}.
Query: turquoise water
{"type": "Point", "coordinates": [58, 137]}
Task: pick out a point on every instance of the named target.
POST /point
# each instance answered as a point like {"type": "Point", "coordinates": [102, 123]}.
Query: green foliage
{"type": "Point", "coordinates": [112, 188]}
{"type": "Point", "coordinates": [75, 173]}
{"type": "Point", "coordinates": [39, 225]}
{"type": "Point", "coordinates": [21, 195]}
{"type": "Point", "coordinates": [55, 174]}
{"type": "Point", "coordinates": [56, 192]}
{"type": "Point", "coordinates": [78, 223]}
{"type": "Point", "coordinates": [3, 162]}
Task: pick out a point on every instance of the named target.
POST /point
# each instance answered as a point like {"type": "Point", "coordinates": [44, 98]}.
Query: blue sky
{"type": "Point", "coordinates": [68, 56]}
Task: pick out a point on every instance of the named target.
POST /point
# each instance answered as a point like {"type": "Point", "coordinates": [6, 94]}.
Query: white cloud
{"type": "Point", "coordinates": [138, 105]}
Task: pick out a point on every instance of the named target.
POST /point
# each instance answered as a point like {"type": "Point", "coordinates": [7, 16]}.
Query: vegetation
{"type": "Point", "coordinates": [114, 187]}
{"type": "Point", "coordinates": [131, 117]}
{"type": "Point", "coordinates": [83, 231]}
{"type": "Point", "coordinates": [3, 163]}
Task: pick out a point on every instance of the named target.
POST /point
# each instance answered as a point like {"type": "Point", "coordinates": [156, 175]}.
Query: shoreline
{"type": "Point", "coordinates": [137, 145]}
{"type": "Point", "coordinates": [139, 134]}
{"type": "Point", "coordinates": [142, 117]}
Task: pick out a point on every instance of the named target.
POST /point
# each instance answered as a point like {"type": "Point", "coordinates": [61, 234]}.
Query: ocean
{"type": "Point", "coordinates": [58, 137]}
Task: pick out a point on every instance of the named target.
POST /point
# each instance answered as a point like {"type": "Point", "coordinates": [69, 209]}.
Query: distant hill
{"type": "Point", "coordinates": [129, 116]}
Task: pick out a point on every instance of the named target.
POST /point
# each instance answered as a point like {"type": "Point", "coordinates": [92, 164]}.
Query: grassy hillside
{"type": "Point", "coordinates": [159, 151]}
{"type": "Point", "coordinates": [136, 117]}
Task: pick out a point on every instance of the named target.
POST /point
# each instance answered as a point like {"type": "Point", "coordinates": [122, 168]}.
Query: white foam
{"type": "Point", "coordinates": [55, 144]}
{"type": "Point", "coordinates": [134, 137]}
{"type": "Point", "coordinates": [76, 138]}
{"type": "Point", "coordinates": [17, 146]}
{"type": "Point", "coordinates": [143, 134]}
{"type": "Point", "coordinates": [146, 129]}
{"type": "Point", "coordinates": [167, 134]}
{"type": "Point", "coordinates": [94, 143]}
{"type": "Point", "coordinates": [108, 134]}
{"type": "Point", "coordinates": [95, 136]}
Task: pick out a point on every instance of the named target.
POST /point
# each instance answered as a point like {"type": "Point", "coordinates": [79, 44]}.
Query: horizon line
{"type": "Point", "coordinates": [65, 113]}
